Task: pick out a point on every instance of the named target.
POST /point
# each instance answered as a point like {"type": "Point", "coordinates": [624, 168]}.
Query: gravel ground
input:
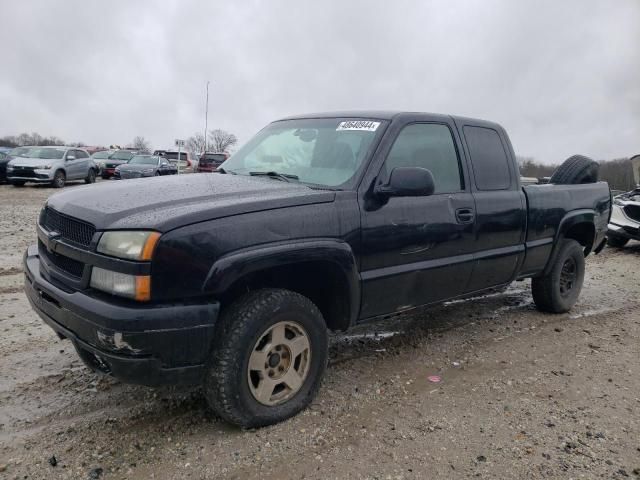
{"type": "Point", "coordinates": [523, 394]}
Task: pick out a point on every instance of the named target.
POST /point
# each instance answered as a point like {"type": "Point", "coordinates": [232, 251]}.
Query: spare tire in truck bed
{"type": "Point", "coordinates": [576, 169]}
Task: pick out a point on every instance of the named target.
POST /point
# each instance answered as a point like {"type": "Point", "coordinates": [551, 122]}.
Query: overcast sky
{"type": "Point", "coordinates": [562, 77]}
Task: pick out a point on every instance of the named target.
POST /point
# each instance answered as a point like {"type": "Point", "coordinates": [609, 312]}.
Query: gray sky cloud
{"type": "Point", "coordinates": [562, 77]}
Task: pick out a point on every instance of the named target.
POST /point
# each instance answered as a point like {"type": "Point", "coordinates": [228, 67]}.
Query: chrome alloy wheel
{"type": "Point", "coordinates": [279, 363]}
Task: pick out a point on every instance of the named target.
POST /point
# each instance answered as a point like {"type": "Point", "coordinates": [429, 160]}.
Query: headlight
{"type": "Point", "coordinates": [148, 170]}
{"type": "Point", "coordinates": [130, 245]}
{"type": "Point", "coordinates": [43, 167]}
{"type": "Point", "coordinates": [9, 168]}
{"type": "Point", "coordinates": [121, 284]}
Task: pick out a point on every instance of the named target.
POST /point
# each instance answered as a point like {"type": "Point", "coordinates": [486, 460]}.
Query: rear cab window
{"type": "Point", "coordinates": [491, 166]}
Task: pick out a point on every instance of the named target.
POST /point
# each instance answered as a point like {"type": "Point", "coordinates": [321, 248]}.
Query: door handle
{"type": "Point", "coordinates": [465, 215]}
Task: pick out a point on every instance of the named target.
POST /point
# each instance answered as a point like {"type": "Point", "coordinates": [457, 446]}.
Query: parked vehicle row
{"type": "Point", "coordinates": [57, 164]}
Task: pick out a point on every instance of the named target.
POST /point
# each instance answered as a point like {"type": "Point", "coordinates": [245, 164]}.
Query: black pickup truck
{"type": "Point", "coordinates": [320, 222]}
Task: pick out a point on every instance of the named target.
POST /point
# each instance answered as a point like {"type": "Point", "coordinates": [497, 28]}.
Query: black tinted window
{"type": "Point", "coordinates": [81, 154]}
{"type": "Point", "coordinates": [490, 163]}
{"type": "Point", "coordinates": [429, 146]}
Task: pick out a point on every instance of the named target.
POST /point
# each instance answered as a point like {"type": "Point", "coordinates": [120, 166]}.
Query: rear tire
{"type": "Point", "coordinates": [575, 170]}
{"type": "Point", "coordinates": [558, 291]}
{"type": "Point", "coordinates": [616, 241]}
{"type": "Point", "coordinates": [268, 358]}
{"type": "Point", "coordinates": [59, 179]}
{"type": "Point", "coordinates": [91, 176]}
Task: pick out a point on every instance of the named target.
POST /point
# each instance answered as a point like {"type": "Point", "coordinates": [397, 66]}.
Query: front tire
{"type": "Point", "coordinates": [59, 179]}
{"type": "Point", "coordinates": [268, 358]}
{"type": "Point", "coordinates": [91, 176]}
{"type": "Point", "coordinates": [558, 291]}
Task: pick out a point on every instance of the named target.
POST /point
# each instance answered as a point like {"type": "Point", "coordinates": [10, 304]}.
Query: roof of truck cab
{"type": "Point", "coordinates": [388, 115]}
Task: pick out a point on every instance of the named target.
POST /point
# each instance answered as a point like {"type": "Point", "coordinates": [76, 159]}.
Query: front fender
{"type": "Point", "coordinates": [232, 267]}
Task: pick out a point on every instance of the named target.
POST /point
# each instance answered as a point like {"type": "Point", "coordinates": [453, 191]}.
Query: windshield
{"type": "Point", "coordinates": [121, 155]}
{"type": "Point", "coordinates": [46, 153]}
{"type": "Point", "coordinates": [101, 155]}
{"type": "Point", "coordinates": [325, 152]}
{"type": "Point", "coordinates": [144, 160]}
{"type": "Point", "coordinates": [19, 151]}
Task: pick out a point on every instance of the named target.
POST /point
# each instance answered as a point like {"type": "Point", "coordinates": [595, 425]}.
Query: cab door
{"type": "Point", "coordinates": [73, 164]}
{"type": "Point", "coordinates": [418, 250]}
{"type": "Point", "coordinates": [500, 206]}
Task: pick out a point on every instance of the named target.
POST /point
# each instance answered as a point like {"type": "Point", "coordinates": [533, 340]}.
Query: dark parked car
{"type": "Point", "coordinates": [318, 223]}
{"type": "Point", "coordinates": [145, 166]}
{"type": "Point", "coordinates": [99, 158]}
{"type": "Point", "coordinates": [8, 155]}
{"type": "Point", "coordinates": [209, 162]}
{"type": "Point", "coordinates": [117, 158]}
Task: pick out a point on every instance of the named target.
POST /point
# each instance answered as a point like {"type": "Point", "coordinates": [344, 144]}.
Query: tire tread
{"type": "Point", "coordinates": [233, 324]}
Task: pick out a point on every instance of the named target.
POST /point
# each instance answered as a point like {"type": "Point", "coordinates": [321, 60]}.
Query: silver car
{"type": "Point", "coordinates": [53, 165]}
{"type": "Point", "coordinates": [625, 219]}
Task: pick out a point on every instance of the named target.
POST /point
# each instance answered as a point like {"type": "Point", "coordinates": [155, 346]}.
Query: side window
{"type": "Point", "coordinates": [490, 163]}
{"type": "Point", "coordinates": [430, 146]}
{"type": "Point", "coordinates": [81, 154]}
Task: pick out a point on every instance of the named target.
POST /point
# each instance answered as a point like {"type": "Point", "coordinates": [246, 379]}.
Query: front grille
{"type": "Point", "coordinates": [22, 172]}
{"type": "Point", "coordinates": [632, 211]}
{"type": "Point", "coordinates": [69, 228]}
{"type": "Point", "coordinates": [66, 264]}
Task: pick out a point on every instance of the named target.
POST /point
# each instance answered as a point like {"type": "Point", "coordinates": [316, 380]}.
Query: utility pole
{"type": "Point", "coordinates": [206, 118]}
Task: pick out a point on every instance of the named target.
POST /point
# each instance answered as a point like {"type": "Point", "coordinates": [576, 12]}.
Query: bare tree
{"type": "Point", "coordinates": [195, 144]}
{"type": "Point", "coordinates": [221, 141]}
{"type": "Point", "coordinates": [140, 144]}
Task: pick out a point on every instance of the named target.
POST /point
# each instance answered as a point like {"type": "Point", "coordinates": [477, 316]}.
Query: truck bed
{"type": "Point", "coordinates": [550, 206]}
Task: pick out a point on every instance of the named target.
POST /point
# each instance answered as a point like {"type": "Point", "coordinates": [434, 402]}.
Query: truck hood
{"type": "Point", "coordinates": [165, 203]}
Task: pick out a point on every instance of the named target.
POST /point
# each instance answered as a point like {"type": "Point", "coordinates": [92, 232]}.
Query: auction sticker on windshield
{"type": "Point", "coordinates": [366, 125]}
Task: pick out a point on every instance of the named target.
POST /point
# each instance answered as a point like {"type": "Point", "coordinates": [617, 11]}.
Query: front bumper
{"type": "Point", "coordinates": [147, 345]}
{"type": "Point", "coordinates": [628, 230]}
{"type": "Point", "coordinates": [30, 176]}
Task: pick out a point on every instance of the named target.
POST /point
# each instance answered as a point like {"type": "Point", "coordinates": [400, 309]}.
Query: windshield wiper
{"type": "Point", "coordinates": [285, 177]}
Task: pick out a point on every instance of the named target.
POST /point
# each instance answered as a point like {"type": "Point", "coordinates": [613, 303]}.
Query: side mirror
{"type": "Point", "coordinates": [407, 182]}
{"type": "Point", "coordinates": [71, 157]}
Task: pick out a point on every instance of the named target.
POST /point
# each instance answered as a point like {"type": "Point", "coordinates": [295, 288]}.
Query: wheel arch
{"type": "Point", "coordinates": [578, 225]}
{"type": "Point", "coordinates": [325, 271]}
